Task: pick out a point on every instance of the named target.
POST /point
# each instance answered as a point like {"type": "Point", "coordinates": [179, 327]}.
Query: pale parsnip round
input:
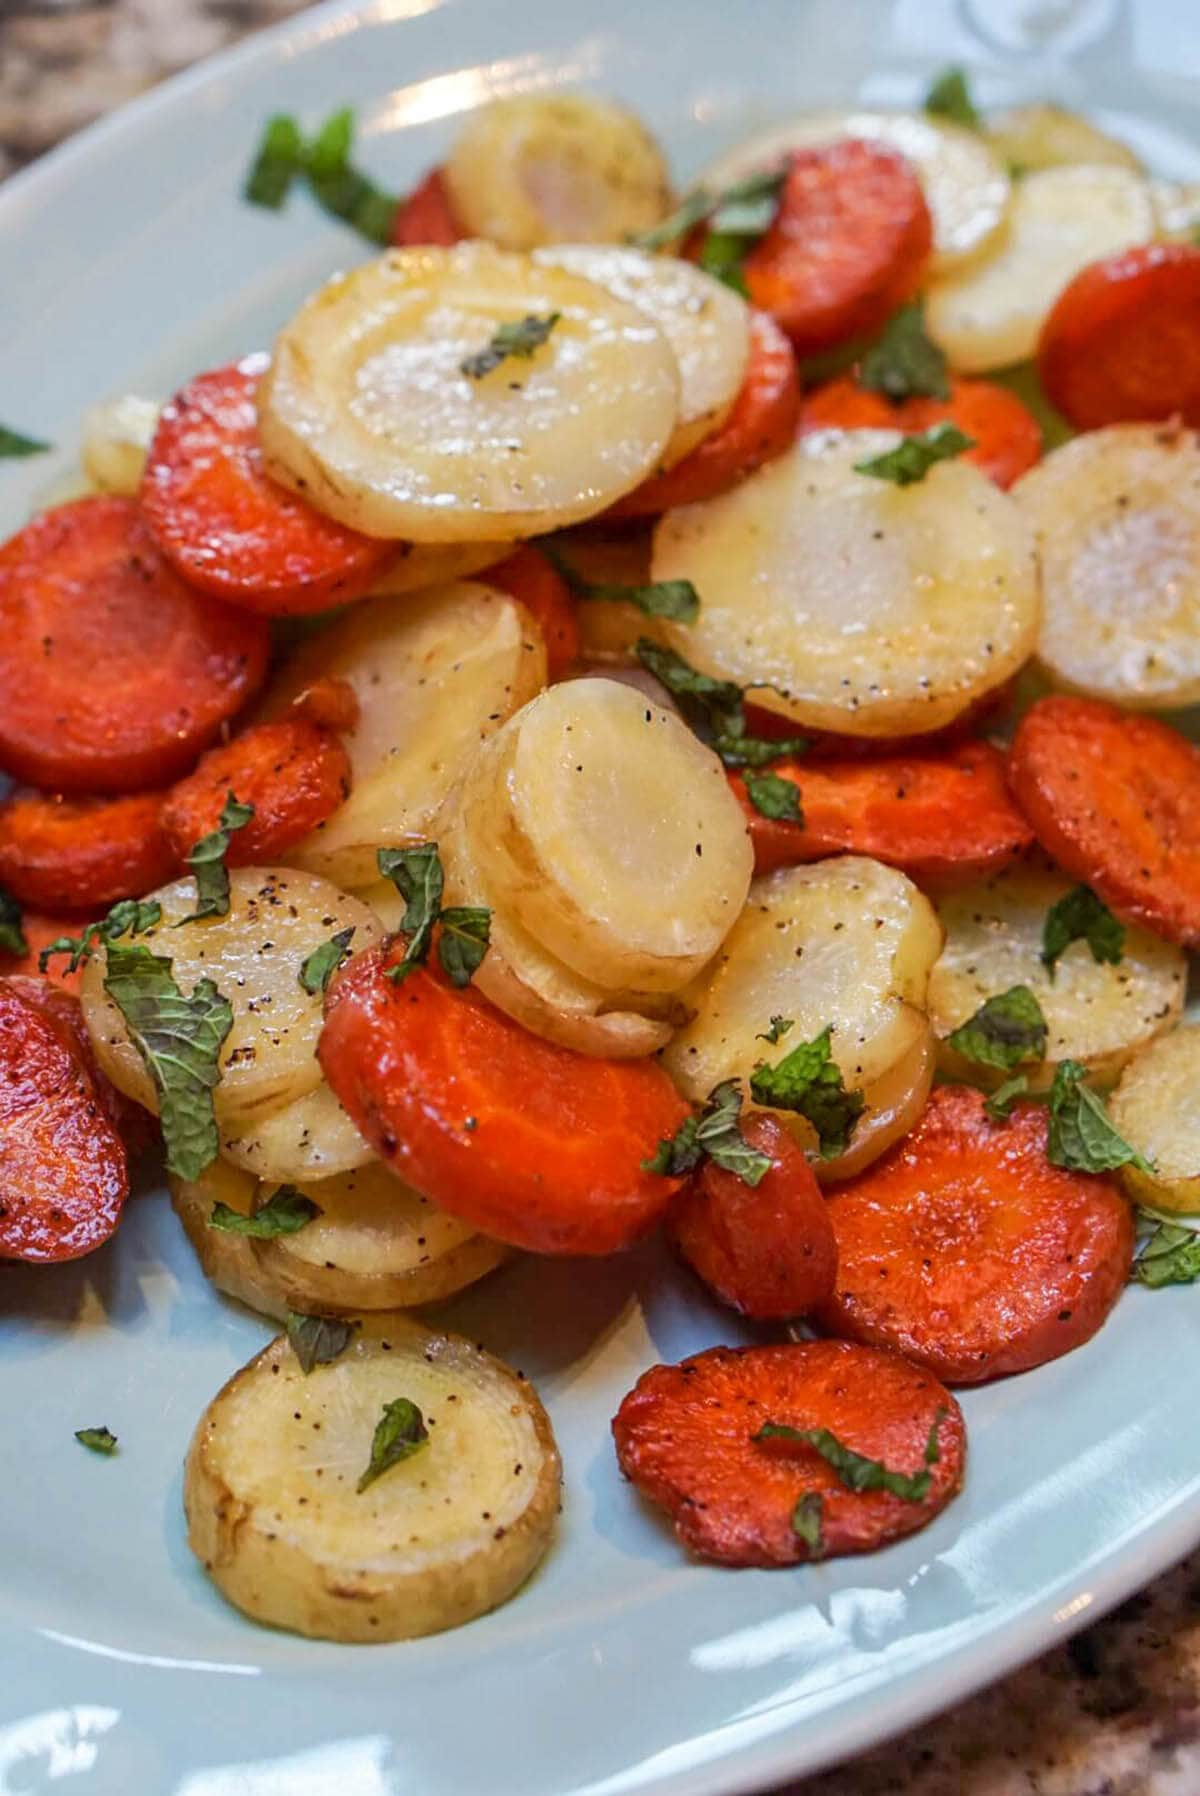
{"type": "Point", "coordinates": [418, 566]}
{"type": "Point", "coordinates": [615, 838]}
{"type": "Point", "coordinates": [556, 168]}
{"type": "Point", "coordinates": [433, 675]}
{"type": "Point", "coordinates": [367, 413]}
{"type": "Point", "coordinates": [377, 1245]}
{"type": "Point", "coordinates": [1044, 136]}
{"type": "Point", "coordinates": [1116, 513]}
{"type": "Point", "coordinates": [1097, 1013]}
{"type": "Point", "coordinates": [872, 609]}
{"type": "Point", "coordinates": [990, 313]}
{"type": "Point", "coordinates": [116, 439]}
{"type": "Point", "coordinates": [311, 1138]}
{"type": "Point", "coordinates": [1176, 209]}
{"type": "Point", "coordinates": [607, 556]}
{"type": "Point", "coordinates": [276, 1519]}
{"type": "Point", "coordinates": [228, 1260]}
{"type": "Point", "coordinates": [517, 974]}
{"type": "Point", "coordinates": [277, 917]}
{"type": "Point", "coordinates": [1155, 1109]}
{"type": "Point", "coordinates": [846, 943]}
{"type": "Point", "coordinates": [705, 322]}
{"type": "Point", "coordinates": [966, 185]}
{"type": "Point", "coordinates": [893, 1104]}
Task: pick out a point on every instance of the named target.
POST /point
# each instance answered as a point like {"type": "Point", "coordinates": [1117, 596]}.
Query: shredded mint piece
{"type": "Point", "coordinates": [1004, 1031]}
{"type": "Point", "coordinates": [809, 1081]}
{"type": "Point", "coordinates": [179, 1039]}
{"type": "Point", "coordinates": [14, 444]}
{"type": "Point", "coordinates": [97, 1440]}
{"type": "Point", "coordinates": [687, 215]}
{"type": "Point", "coordinates": [12, 931]}
{"type": "Point", "coordinates": [280, 159]}
{"type": "Point", "coordinates": [342, 190]}
{"type": "Point", "coordinates": [1168, 1253]}
{"type": "Point", "coordinates": [912, 458]}
{"type": "Point", "coordinates": [950, 98]}
{"type": "Point", "coordinates": [518, 339]}
{"type": "Point", "coordinates": [285, 1212]}
{"type": "Point", "coordinates": [417, 875]}
{"type": "Point", "coordinates": [130, 916]}
{"type": "Point", "coordinates": [775, 797]}
{"type": "Point", "coordinates": [999, 1105]}
{"type": "Point", "coordinates": [736, 219]}
{"type": "Point", "coordinates": [400, 1433]}
{"type": "Point", "coordinates": [780, 1026]}
{"type": "Point", "coordinates": [320, 966]}
{"type": "Point", "coordinates": [1081, 1136]}
{"type": "Point", "coordinates": [318, 1340]}
{"type": "Point", "coordinates": [714, 1133]}
{"type": "Point", "coordinates": [463, 940]}
{"type": "Point", "coordinates": [855, 1470]}
{"type": "Point", "coordinates": [905, 363]}
{"type": "Point", "coordinates": [207, 861]}
{"type": "Point", "coordinates": [676, 599]}
{"type": "Point", "coordinates": [715, 709]}
{"type": "Point", "coordinates": [1080, 916]}
{"type": "Point", "coordinates": [807, 1518]}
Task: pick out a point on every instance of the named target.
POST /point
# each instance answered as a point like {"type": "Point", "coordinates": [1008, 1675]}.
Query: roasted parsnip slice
{"type": "Point", "coordinates": [279, 1516]}
{"type": "Point", "coordinates": [310, 1138]}
{"type": "Point", "coordinates": [381, 408]}
{"type": "Point", "coordinates": [228, 1259]}
{"type": "Point", "coordinates": [1155, 1109]}
{"type": "Point", "coordinates": [1045, 136]}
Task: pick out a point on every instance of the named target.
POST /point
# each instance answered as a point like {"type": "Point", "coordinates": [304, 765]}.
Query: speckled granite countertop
{"type": "Point", "coordinates": [1116, 1712]}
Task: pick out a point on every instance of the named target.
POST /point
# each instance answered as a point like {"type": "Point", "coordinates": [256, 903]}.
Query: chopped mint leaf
{"type": "Point", "coordinates": [949, 97]}
{"type": "Point", "coordinates": [1081, 1137]}
{"type": "Point", "coordinates": [855, 1470]}
{"type": "Point", "coordinates": [285, 1212]}
{"type": "Point", "coordinates": [207, 861]}
{"type": "Point", "coordinates": [1005, 1030]}
{"type": "Point", "coordinates": [912, 458]}
{"type": "Point", "coordinates": [400, 1433]}
{"type": "Point", "coordinates": [775, 797]}
{"type": "Point", "coordinates": [97, 1440]}
{"type": "Point", "coordinates": [320, 966]}
{"type": "Point", "coordinates": [809, 1081]}
{"type": "Point", "coordinates": [1080, 916]}
{"type": "Point", "coordinates": [520, 338]}
{"type": "Point", "coordinates": [905, 363]}
{"type": "Point", "coordinates": [318, 1340]}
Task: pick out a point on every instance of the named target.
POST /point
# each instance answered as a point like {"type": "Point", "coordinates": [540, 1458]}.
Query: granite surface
{"type": "Point", "coordinates": [1115, 1712]}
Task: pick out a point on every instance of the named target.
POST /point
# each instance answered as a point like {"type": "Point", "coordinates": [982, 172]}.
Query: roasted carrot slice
{"type": "Point", "coordinates": [968, 1252]}
{"type": "Point", "coordinates": [529, 578]}
{"type": "Point", "coordinates": [226, 526]}
{"type": "Point", "coordinates": [63, 1174]}
{"type": "Point", "coordinates": [85, 852]}
{"type": "Point", "coordinates": [1123, 340]}
{"type": "Point", "coordinates": [686, 1436]}
{"type": "Point", "coordinates": [766, 1250]}
{"type": "Point", "coordinates": [294, 773]}
{"type": "Point", "coordinates": [848, 246]}
{"type": "Point", "coordinates": [529, 1142]}
{"type": "Point", "coordinates": [39, 931]}
{"type": "Point", "coordinates": [1115, 799]}
{"type": "Point", "coordinates": [760, 426]}
{"type": "Point", "coordinates": [937, 818]}
{"type": "Point", "coordinates": [114, 674]}
{"type": "Point", "coordinates": [1007, 436]}
{"type": "Point", "coordinates": [136, 1127]}
{"type": "Point", "coordinates": [426, 216]}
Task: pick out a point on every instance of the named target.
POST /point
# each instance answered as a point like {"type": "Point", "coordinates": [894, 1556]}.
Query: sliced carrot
{"type": "Point", "coordinates": [967, 1251]}
{"type": "Point", "coordinates": [86, 852]}
{"type": "Point", "coordinates": [330, 702]}
{"type": "Point", "coordinates": [227, 527]}
{"type": "Point", "coordinates": [136, 1127]}
{"type": "Point", "coordinates": [426, 216]}
{"type": "Point", "coordinates": [529, 1142]}
{"type": "Point", "coordinates": [528, 577]}
{"type": "Point", "coordinates": [936, 818]}
{"type": "Point", "coordinates": [114, 674]}
{"type": "Point", "coordinates": [685, 1435]}
{"type": "Point", "coordinates": [1007, 436]}
{"type": "Point", "coordinates": [766, 1250]}
{"type": "Point", "coordinates": [39, 931]}
{"type": "Point", "coordinates": [760, 426]}
{"type": "Point", "coordinates": [849, 244]}
{"type": "Point", "coordinates": [1115, 799]}
{"type": "Point", "coordinates": [1123, 340]}
{"type": "Point", "coordinates": [63, 1173]}
{"type": "Point", "coordinates": [294, 773]}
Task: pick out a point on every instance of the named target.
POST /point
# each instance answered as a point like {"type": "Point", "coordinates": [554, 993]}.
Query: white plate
{"type": "Point", "coordinates": [127, 261]}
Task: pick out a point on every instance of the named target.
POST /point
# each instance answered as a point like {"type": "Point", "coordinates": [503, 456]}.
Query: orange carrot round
{"type": "Point", "coordinates": [760, 426]}
{"type": "Point", "coordinates": [1123, 340]}
{"type": "Point", "coordinates": [294, 773]}
{"type": "Point", "coordinates": [1007, 437]}
{"type": "Point", "coordinates": [685, 1436]}
{"type": "Point", "coordinates": [426, 215]}
{"type": "Point", "coordinates": [136, 1127]}
{"type": "Point", "coordinates": [226, 526]}
{"type": "Point", "coordinates": [82, 852]}
{"type": "Point", "coordinates": [39, 931]}
{"type": "Point", "coordinates": [114, 674]}
{"type": "Point", "coordinates": [1115, 799]}
{"type": "Point", "coordinates": [529, 578]}
{"type": "Point", "coordinates": [529, 1142]}
{"type": "Point", "coordinates": [766, 1250]}
{"type": "Point", "coordinates": [938, 818]}
{"type": "Point", "coordinates": [968, 1252]}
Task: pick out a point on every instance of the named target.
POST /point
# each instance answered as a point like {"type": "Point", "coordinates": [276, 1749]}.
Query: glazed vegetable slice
{"type": "Point", "coordinates": [427, 216]}
{"type": "Point", "coordinates": [229, 529]}
{"type": "Point", "coordinates": [527, 1142]}
{"type": "Point", "coordinates": [868, 608]}
{"type": "Point", "coordinates": [388, 406]}
{"type": "Point", "coordinates": [63, 1174]}
{"type": "Point", "coordinates": [433, 677]}
{"type": "Point", "coordinates": [989, 314]}
{"type": "Point", "coordinates": [1154, 1108]}
{"type": "Point", "coordinates": [226, 1257]}
{"type": "Point", "coordinates": [1045, 136]}
{"type": "Point", "coordinates": [555, 168]}
{"type": "Point", "coordinates": [82, 852]}
{"type": "Point", "coordinates": [766, 1250]}
{"type": "Point", "coordinates": [1099, 1011]}
{"type": "Point", "coordinates": [967, 1251]}
{"type": "Point", "coordinates": [690, 1438]}
{"type": "Point", "coordinates": [938, 819]}
{"type": "Point", "coordinates": [1007, 438]}
{"type": "Point", "coordinates": [308, 1517]}
{"type": "Point", "coordinates": [1117, 511]}
{"type": "Point", "coordinates": [113, 674]}
{"type": "Point", "coordinates": [294, 774]}
{"type": "Point", "coordinates": [1116, 800]}
{"type": "Point", "coordinates": [310, 1138]}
